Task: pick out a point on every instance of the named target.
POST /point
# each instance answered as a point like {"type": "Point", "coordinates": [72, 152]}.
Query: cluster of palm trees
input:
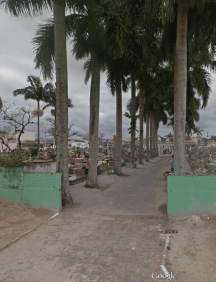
{"type": "Point", "coordinates": [159, 47]}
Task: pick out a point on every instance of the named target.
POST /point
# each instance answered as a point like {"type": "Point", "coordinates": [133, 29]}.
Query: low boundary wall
{"type": "Point", "coordinates": [187, 195]}
{"type": "Point", "coordinates": [36, 189]}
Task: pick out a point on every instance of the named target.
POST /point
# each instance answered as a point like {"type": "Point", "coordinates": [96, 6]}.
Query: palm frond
{"type": "Point", "coordinates": [25, 7]}
{"type": "Point", "coordinates": [43, 45]}
{"type": "Point", "coordinates": [87, 69]}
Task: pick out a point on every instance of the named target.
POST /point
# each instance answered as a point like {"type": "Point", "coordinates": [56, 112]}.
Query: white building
{"type": "Point", "coordinates": [77, 142]}
{"type": "Point", "coordinates": [10, 138]}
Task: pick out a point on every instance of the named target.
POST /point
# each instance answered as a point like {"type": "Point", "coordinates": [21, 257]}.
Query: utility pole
{"type": "Point", "coordinates": [207, 135]}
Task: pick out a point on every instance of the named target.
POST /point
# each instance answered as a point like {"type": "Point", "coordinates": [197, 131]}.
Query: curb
{"type": "Point", "coordinates": [163, 261]}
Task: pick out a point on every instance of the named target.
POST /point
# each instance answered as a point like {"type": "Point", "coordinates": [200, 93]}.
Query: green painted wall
{"type": "Point", "coordinates": [37, 189]}
{"type": "Point", "coordinates": [188, 195]}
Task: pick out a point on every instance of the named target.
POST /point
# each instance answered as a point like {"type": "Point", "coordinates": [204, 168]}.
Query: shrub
{"type": "Point", "coordinates": [33, 151]}
{"type": "Point", "coordinates": [15, 158]}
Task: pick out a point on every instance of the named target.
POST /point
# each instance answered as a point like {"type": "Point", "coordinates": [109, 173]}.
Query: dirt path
{"type": "Point", "coordinates": [192, 255]}
{"type": "Point", "coordinates": [16, 219]}
{"type": "Point", "coordinates": [111, 234]}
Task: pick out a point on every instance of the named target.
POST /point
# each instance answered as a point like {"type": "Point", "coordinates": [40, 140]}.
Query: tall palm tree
{"type": "Point", "coordinates": [30, 8]}
{"type": "Point", "coordinates": [180, 86]}
{"type": "Point", "coordinates": [199, 58]}
{"type": "Point", "coordinates": [151, 135]}
{"type": "Point", "coordinates": [37, 92]}
{"type": "Point", "coordinates": [117, 82]}
{"type": "Point", "coordinates": [180, 81]}
{"type": "Point", "coordinates": [187, 13]}
{"type": "Point", "coordinates": [147, 137]}
{"type": "Point", "coordinates": [130, 40]}
{"type": "Point", "coordinates": [61, 95]}
{"type": "Point", "coordinates": [141, 116]}
{"type": "Point", "coordinates": [87, 30]}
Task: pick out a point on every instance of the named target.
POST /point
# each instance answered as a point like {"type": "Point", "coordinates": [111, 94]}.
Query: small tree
{"type": "Point", "coordinates": [18, 118]}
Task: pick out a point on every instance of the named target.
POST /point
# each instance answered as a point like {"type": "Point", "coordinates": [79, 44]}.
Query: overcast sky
{"type": "Point", "coordinates": [16, 63]}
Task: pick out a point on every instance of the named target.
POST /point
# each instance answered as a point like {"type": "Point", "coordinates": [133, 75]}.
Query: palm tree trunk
{"type": "Point", "coordinates": [133, 119]}
{"type": "Point", "coordinates": [61, 97]}
{"type": "Point", "coordinates": [38, 128]}
{"type": "Point", "coordinates": [147, 137]}
{"type": "Point", "coordinates": [156, 145]}
{"type": "Point", "coordinates": [157, 139]}
{"type": "Point", "coordinates": [55, 128]}
{"type": "Point", "coordinates": [141, 100]}
{"type": "Point", "coordinates": [118, 151]}
{"type": "Point", "coordinates": [94, 121]}
{"type": "Point", "coordinates": [151, 136]}
{"type": "Point", "coordinates": [180, 86]}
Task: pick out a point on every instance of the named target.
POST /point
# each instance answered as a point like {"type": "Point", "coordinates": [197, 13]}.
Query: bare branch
{"type": "Point", "coordinates": [18, 117]}
{"type": "Point", "coordinates": [6, 145]}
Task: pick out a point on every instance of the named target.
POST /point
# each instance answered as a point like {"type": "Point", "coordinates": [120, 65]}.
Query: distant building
{"type": "Point", "coordinates": [77, 142]}
{"type": "Point", "coordinates": [10, 138]}
{"type": "Point", "coordinates": [211, 143]}
{"type": "Point", "coordinates": [190, 142]}
{"type": "Point", "coordinates": [79, 136]}
{"type": "Point", "coordinates": [26, 136]}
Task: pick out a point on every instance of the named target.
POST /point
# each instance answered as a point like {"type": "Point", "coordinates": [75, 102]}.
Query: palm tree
{"type": "Point", "coordinates": [117, 82]}
{"type": "Point", "coordinates": [200, 58]}
{"type": "Point", "coordinates": [141, 116]}
{"type": "Point", "coordinates": [147, 137]}
{"type": "Point", "coordinates": [37, 92]}
{"type": "Point", "coordinates": [88, 41]}
{"type": "Point", "coordinates": [200, 12]}
{"type": "Point", "coordinates": [180, 85]}
{"type": "Point", "coordinates": [25, 7]}
{"type": "Point", "coordinates": [61, 95]}
{"type": "Point", "coordinates": [88, 31]}
{"type": "Point", "coordinates": [151, 135]}
{"type": "Point", "coordinates": [132, 40]}
{"type": "Point", "coordinates": [30, 8]}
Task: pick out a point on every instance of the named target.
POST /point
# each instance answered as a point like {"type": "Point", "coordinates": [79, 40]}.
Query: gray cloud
{"type": "Point", "coordinates": [16, 63]}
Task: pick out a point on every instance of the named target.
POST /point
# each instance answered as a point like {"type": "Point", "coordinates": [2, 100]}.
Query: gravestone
{"type": "Point", "coordinates": [211, 168]}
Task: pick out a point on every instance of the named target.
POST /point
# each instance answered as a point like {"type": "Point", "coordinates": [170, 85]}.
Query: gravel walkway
{"type": "Point", "coordinates": [138, 191]}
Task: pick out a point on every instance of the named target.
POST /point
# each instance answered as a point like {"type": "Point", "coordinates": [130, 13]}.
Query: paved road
{"type": "Point", "coordinates": [112, 234]}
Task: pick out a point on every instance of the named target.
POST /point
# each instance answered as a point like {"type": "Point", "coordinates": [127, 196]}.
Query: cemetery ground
{"type": "Point", "coordinates": [110, 234]}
